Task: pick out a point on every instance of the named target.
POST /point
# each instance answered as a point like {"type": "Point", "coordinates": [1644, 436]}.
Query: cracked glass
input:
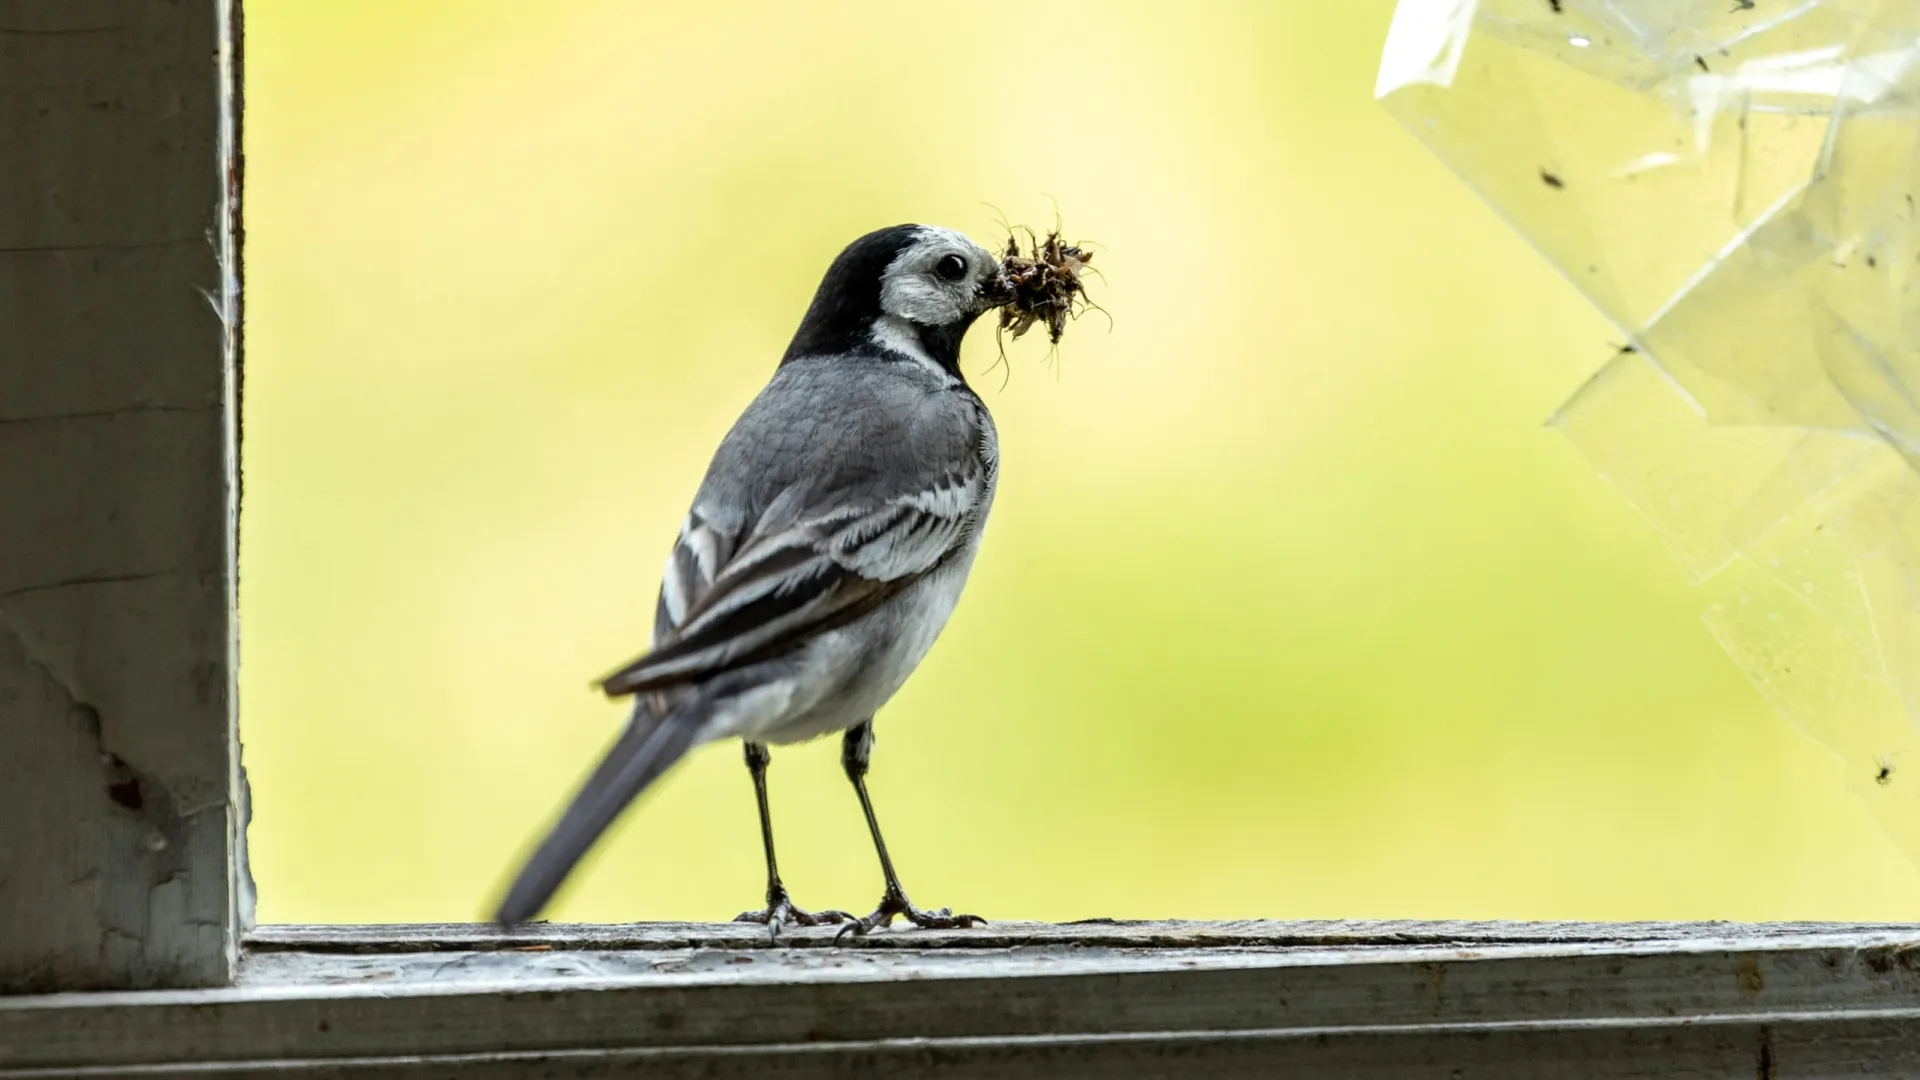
{"type": "Point", "coordinates": [1732, 183]}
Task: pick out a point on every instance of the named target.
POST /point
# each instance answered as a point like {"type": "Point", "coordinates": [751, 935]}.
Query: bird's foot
{"type": "Point", "coordinates": [895, 905]}
{"type": "Point", "coordinates": [781, 912]}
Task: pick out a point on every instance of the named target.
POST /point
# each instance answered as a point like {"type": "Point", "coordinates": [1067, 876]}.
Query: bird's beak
{"type": "Point", "coordinates": [998, 291]}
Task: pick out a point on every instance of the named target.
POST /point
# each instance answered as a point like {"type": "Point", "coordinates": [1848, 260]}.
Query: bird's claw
{"type": "Point", "coordinates": [781, 912]}
{"type": "Point", "coordinates": [895, 905]}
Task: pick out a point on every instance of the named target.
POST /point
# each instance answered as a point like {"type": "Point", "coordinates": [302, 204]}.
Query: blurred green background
{"type": "Point", "coordinates": [1289, 606]}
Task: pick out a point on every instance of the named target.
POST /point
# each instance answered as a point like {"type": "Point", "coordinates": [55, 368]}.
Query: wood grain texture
{"type": "Point", "coordinates": [1116, 999]}
{"type": "Point", "coordinates": [1771, 1048]}
{"type": "Point", "coordinates": [1123, 933]}
{"type": "Point", "coordinates": [116, 584]}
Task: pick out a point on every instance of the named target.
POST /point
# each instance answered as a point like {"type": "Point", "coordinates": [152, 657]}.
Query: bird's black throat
{"type": "Point", "coordinates": [942, 343]}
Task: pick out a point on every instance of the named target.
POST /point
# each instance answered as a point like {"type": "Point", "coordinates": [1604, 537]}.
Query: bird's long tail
{"type": "Point", "coordinates": [647, 748]}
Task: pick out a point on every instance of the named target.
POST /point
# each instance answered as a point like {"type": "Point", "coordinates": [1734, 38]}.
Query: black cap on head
{"type": "Point", "coordinates": [848, 300]}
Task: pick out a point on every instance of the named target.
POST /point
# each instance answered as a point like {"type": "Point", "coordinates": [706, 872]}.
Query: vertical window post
{"type": "Point", "coordinates": [118, 764]}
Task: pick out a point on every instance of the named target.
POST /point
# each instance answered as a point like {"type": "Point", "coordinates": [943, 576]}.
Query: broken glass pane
{"type": "Point", "coordinates": [1733, 183]}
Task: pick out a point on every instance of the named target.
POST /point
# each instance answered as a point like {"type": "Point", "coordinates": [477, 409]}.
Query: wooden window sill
{"type": "Point", "coordinates": [1114, 999]}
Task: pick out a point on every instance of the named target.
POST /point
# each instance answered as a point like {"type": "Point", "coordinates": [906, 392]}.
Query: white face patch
{"type": "Point", "coordinates": [895, 333]}
{"type": "Point", "coordinates": [911, 287]}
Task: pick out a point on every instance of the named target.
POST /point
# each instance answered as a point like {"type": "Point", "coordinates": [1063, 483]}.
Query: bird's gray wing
{"type": "Point", "coordinates": [829, 545]}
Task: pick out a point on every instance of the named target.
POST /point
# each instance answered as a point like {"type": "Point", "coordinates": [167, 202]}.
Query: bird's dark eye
{"type": "Point", "coordinates": [951, 267]}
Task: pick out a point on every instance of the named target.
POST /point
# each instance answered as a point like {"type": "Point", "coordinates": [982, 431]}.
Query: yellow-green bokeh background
{"type": "Point", "coordinates": [1289, 607]}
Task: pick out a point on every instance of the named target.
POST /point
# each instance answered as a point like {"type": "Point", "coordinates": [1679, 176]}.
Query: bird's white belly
{"type": "Point", "coordinates": [857, 668]}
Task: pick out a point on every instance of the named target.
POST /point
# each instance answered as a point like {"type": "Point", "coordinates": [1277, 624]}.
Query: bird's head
{"type": "Point", "coordinates": [909, 289]}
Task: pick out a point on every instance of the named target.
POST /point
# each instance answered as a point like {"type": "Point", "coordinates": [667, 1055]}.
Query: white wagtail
{"type": "Point", "coordinates": [823, 554]}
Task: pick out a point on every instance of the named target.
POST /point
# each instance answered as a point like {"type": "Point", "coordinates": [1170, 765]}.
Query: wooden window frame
{"type": "Point", "coordinates": [1102, 998]}
{"type": "Point", "coordinates": [125, 904]}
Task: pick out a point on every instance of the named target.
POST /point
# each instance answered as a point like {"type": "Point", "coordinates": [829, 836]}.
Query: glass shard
{"type": "Point", "coordinates": [1734, 185]}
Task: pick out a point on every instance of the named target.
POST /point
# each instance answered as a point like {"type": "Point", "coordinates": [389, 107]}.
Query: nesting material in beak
{"type": "Point", "coordinates": [1044, 286]}
{"type": "Point", "coordinates": [999, 291]}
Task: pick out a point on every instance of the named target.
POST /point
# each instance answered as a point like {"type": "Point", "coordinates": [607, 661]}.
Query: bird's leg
{"type": "Point", "coordinates": [779, 909]}
{"type": "Point", "coordinates": [854, 752]}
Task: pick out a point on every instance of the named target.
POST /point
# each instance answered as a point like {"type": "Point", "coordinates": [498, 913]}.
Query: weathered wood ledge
{"type": "Point", "coordinates": [1106, 998]}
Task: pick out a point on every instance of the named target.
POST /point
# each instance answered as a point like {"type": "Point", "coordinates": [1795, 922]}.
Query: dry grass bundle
{"type": "Point", "coordinates": [1047, 283]}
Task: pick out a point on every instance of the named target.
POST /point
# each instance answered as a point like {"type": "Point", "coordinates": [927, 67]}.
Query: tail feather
{"type": "Point", "coordinates": [647, 748]}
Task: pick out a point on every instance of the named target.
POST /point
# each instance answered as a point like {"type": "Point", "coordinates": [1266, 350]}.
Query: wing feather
{"type": "Point", "coordinates": [725, 603]}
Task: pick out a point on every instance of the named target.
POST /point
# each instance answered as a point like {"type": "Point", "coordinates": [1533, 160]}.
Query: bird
{"type": "Point", "coordinates": [825, 549]}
